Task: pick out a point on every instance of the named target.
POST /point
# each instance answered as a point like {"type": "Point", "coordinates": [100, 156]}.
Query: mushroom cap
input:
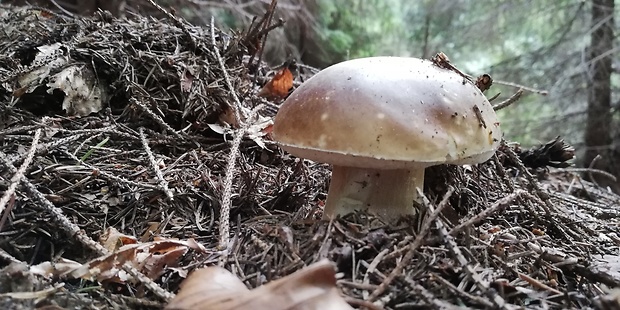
{"type": "Point", "coordinates": [388, 113]}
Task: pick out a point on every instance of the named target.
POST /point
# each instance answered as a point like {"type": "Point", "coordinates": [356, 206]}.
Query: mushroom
{"type": "Point", "coordinates": [380, 121]}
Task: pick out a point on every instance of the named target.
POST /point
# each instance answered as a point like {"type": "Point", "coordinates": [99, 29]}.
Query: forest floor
{"type": "Point", "coordinates": [110, 199]}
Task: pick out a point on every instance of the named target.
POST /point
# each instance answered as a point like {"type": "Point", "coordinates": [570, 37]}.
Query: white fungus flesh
{"type": "Point", "coordinates": [380, 121]}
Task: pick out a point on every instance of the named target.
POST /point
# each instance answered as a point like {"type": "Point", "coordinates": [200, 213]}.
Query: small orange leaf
{"type": "Point", "coordinates": [277, 88]}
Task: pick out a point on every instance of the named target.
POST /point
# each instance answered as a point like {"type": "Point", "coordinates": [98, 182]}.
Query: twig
{"type": "Point", "coordinates": [590, 171]}
{"type": "Point", "coordinates": [482, 285]}
{"type": "Point", "coordinates": [498, 205]}
{"type": "Point", "coordinates": [42, 293]}
{"type": "Point", "coordinates": [530, 89]}
{"type": "Point", "coordinates": [591, 166]}
{"type": "Point", "coordinates": [19, 174]}
{"type": "Point", "coordinates": [265, 31]}
{"type": "Point", "coordinates": [227, 192]}
{"type": "Point", "coordinates": [371, 268]}
{"type": "Point", "coordinates": [537, 284]}
{"type": "Point", "coordinates": [178, 22]}
{"type": "Point", "coordinates": [413, 247]}
{"type": "Point", "coordinates": [155, 117]}
{"type": "Point", "coordinates": [46, 147]}
{"type": "Point", "coordinates": [237, 107]}
{"type": "Point", "coordinates": [514, 98]}
{"type": "Point", "coordinates": [73, 230]}
{"type": "Point", "coordinates": [162, 181]}
{"type": "Point", "coordinates": [455, 289]}
{"type": "Point", "coordinates": [533, 183]}
{"type": "Point", "coordinates": [16, 129]}
{"type": "Point", "coordinates": [499, 169]}
{"type": "Point", "coordinates": [63, 10]}
{"type": "Point", "coordinates": [361, 303]}
{"type": "Point", "coordinates": [97, 172]}
{"type": "Point", "coordinates": [430, 297]}
{"type": "Point", "coordinates": [8, 257]}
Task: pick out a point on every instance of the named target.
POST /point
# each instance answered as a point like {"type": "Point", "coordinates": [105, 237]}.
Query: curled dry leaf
{"type": "Point", "coordinates": [48, 58]}
{"type": "Point", "coordinates": [256, 131]}
{"type": "Point", "coordinates": [112, 239]}
{"type": "Point", "coordinates": [83, 93]}
{"type": "Point", "coordinates": [311, 288]}
{"type": "Point", "coordinates": [278, 87]}
{"type": "Point", "coordinates": [151, 258]}
{"type": "Point", "coordinates": [51, 270]}
{"type": "Point", "coordinates": [209, 288]}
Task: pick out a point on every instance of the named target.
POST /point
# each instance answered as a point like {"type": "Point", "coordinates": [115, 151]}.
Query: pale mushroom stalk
{"type": "Point", "coordinates": [386, 193]}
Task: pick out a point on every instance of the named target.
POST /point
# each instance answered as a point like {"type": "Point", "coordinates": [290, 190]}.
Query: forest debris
{"type": "Point", "coordinates": [555, 153]}
{"type": "Point", "coordinates": [47, 58]}
{"type": "Point", "coordinates": [172, 89]}
{"type": "Point", "coordinates": [537, 284]}
{"type": "Point", "coordinates": [280, 84]}
{"type": "Point", "coordinates": [514, 98]}
{"type": "Point", "coordinates": [608, 265]}
{"type": "Point", "coordinates": [83, 93]}
{"type": "Point", "coordinates": [610, 301]}
{"type": "Point", "coordinates": [484, 82]}
{"type": "Point", "coordinates": [151, 258]}
{"type": "Point", "coordinates": [54, 269]}
{"type": "Point", "coordinates": [34, 295]}
{"type": "Point", "coordinates": [442, 61]}
{"type": "Point", "coordinates": [112, 239]}
{"type": "Point", "coordinates": [311, 288]}
{"type": "Point", "coordinates": [53, 69]}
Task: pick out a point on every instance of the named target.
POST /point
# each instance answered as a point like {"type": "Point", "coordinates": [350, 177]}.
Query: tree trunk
{"type": "Point", "coordinates": [598, 135]}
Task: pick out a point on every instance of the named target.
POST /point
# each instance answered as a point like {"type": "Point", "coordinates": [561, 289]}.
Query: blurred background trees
{"type": "Point", "coordinates": [564, 50]}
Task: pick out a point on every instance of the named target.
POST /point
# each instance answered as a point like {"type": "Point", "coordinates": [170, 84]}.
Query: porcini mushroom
{"type": "Point", "coordinates": [380, 121]}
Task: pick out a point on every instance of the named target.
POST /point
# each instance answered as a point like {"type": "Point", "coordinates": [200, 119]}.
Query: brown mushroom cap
{"type": "Point", "coordinates": [388, 113]}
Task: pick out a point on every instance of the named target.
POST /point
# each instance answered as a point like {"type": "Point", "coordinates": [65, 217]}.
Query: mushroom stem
{"type": "Point", "coordinates": [386, 193]}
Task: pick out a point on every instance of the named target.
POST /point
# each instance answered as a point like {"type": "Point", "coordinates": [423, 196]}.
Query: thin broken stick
{"type": "Point", "coordinates": [514, 98]}
{"type": "Point", "coordinates": [162, 181]}
{"type": "Point", "coordinates": [498, 205]}
{"type": "Point", "coordinates": [19, 174]}
{"type": "Point", "coordinates": [240, 115]}
{"type": "Point", "coordinates": [227, 192]}
{"type": "Point", "coordinates": [414, 246]}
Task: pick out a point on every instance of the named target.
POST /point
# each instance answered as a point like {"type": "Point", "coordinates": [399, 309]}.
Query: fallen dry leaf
{"type": "Point", "coordinates": [83, 92]}
{"type": "Point", "coordinates": [209, 288]}
{"type": "Point", "coordinates": [112, 239]}
{"type": "Point", "coordinates": [278, 87]}
{"type": "Point", "coordinates": [51, 270]}
{"type": "Point", "coordinates": [151, 258]}
{"type": "Point", "coordinates": [311, 288]}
